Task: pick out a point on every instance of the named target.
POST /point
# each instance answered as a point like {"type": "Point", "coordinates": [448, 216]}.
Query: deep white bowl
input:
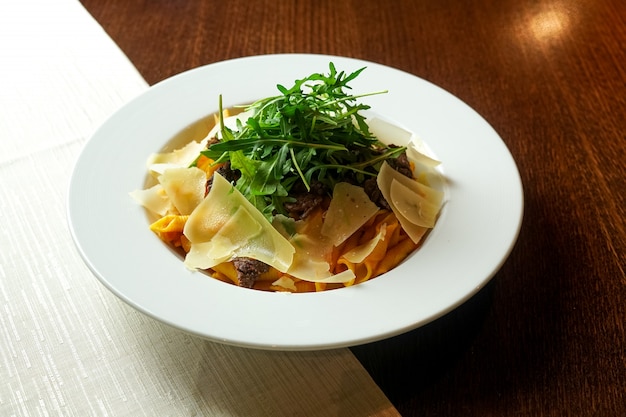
{"type": "Point", "coordinates": [475, 233]}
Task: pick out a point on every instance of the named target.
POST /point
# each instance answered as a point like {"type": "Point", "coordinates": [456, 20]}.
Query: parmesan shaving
{"type": "Point", "coordinates": [154, 199]}
{"type": "Point", "coordinates": [350, 208]}
{"type": "Point", "coordinates": [310, 261]}
{"type": "Point", "coordinates": [358, 254]}
{"type": "Point", "coordinates": [286, 283]}
{"type": "Point", "coordinates": [413, 206]}
{"type": "Point", "coordinates": [416, 151]}
{"type": "Point", "coordinates": [388, 133]}
{"type": "Point", "coordinates": [183, 157]}
{"type": "Point", "coordinates": [407, 204]}
{"type": "Point", "coordinates": [185, 187]}
{"type": "Point", "coordinates": [226, 223]}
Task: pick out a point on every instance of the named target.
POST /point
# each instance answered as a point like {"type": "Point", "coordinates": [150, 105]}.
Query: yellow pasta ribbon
{"type": "Point", "coordinates": [169, 228]}
{"type": "Point", "coordinates": [395, 255]}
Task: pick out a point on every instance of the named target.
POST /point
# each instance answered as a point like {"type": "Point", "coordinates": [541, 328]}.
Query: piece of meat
{"type": "Point", "coordinates": [249, 270]}
{"type": "Point", "coordinates": [401, 164]}
{"type": "Point", "coordinates": [305, 201]}
{"type": "Point", "coordinates": [303, 206]}
{"type": "Point", "coordinates": [370, 186]}
{"type": "Point", "coordinates": [212, 141]}
{"type": "Point", "coordinates": [226, 171]}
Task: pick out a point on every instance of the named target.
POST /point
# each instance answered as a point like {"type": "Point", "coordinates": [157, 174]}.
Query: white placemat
{"type": "Point", "coordinates": [68, 347]}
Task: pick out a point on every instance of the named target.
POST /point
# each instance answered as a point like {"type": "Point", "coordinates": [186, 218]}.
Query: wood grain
{"type": "Point", "coordinates": [546, 337]}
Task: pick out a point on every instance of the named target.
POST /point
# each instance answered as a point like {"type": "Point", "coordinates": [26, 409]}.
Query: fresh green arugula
{"type": "Point", "coordinates": [313, 131]}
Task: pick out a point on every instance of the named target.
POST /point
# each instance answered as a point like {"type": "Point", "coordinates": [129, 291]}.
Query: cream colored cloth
{"type": "Point", "coordinates": [68, 347]}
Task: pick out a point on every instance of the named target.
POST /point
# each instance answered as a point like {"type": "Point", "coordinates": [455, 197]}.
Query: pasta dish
{"type": "Point", "coordinates": [299, 192]}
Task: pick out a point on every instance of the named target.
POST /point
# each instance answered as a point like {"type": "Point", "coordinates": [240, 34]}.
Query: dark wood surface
{"type": "Point", "coordinates": [547, 336]}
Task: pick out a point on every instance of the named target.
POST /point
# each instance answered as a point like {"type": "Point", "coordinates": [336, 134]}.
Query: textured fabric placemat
{"type": "Point", "coordinates": [68, 347]}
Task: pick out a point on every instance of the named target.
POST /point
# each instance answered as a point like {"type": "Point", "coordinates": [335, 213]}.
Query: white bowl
{"type": "Point", "coordinates": [474, 235]}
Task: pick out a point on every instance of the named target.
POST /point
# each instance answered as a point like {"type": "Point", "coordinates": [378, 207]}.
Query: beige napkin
{"type": "Point", "coordinates": [68, 347]}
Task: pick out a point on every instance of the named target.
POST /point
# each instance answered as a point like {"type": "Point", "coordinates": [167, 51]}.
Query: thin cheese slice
{"type": "Point", "coordinates": [205, 255]}
{"type": "Point", "coordinates": [236, 237]}
{"type": "Point", "coordinates": [226, 225]}
{"type": "Point", "coordinates": [429, 193]}
{"type": "Point", "coordinates": [358, 254]}
{"type": "Point", "coordinates": [350, 208]}
{"type": "Point", "coordinates": [182, 157]}
{"type": "Point", "coordinates": [154, 199]}
{"type": "Point", "coordinates": [340, 278]}
{"type": "Point", "coordinates": [388, 133]}
{"type": "Point", "coordinates": [185, 187]}
{"type": "Point", "coordinates": [416, 151]}
{"type": "Point", "coordinates": [386, 177]}
{"type": "Point", "coordinates": [313, 270]}
{"type": "Point", "coordinates": [310, 258]}
{"type": "Point", "coordinates": [310, 261]}
{"type": "Point", "coordinates": [286, 283]}
{"type": "Point", "coordinates": [391, 134]}
{"type": "Point", "coordinates": [413, 206]}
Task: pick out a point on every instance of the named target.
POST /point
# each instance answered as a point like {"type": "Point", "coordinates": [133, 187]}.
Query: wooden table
{"type": "Point", "coordinates": [547, 336]}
